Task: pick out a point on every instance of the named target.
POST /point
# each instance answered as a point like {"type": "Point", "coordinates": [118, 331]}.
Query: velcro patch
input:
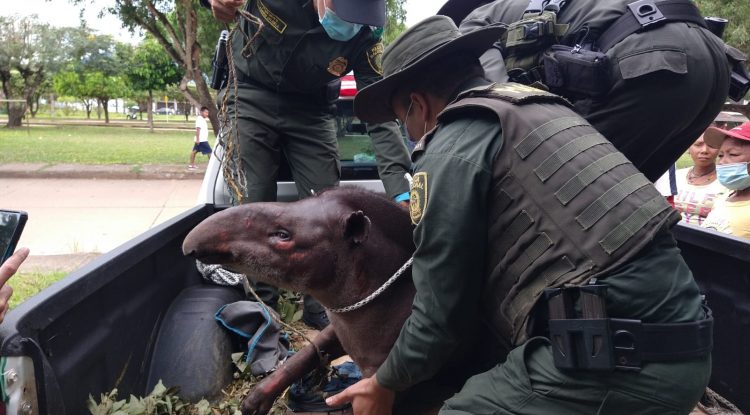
{"type": "Point", "coordinates": [272, 19]}
{"type": "Point", "coordinates": [418, 197]}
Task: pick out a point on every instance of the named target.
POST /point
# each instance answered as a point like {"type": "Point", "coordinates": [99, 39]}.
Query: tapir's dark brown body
{"type": "Point", "coordinates": [339, 246]}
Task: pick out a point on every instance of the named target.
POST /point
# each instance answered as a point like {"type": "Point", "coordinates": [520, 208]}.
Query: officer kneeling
{"type": "Point", "coordinates": [528, 219]}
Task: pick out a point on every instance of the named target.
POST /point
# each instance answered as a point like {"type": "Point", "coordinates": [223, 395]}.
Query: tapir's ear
{"type": "Point", "coordinates": [357, 227]}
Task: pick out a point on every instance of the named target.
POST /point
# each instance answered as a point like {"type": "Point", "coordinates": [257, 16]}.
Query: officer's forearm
{"type": "Point", "coordinates": [392, 157]}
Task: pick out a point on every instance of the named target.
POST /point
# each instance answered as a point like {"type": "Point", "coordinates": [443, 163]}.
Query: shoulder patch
{"type": "Point", "coordinates": [418, 197]}
{"type": "Point", "coordinates": [520, 94]}
{"type": "Point", "coordinates": [375, 58]}
{"type": "Point", "coordinates": [272, 19]}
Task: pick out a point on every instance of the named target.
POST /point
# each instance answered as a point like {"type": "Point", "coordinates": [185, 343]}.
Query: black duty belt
{"type": "Point", "coordinates": [592, 341]}
{"type": "Point", "coordinates": [645, 14]}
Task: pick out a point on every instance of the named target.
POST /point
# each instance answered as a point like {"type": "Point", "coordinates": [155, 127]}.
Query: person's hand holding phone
{"type": "Point", "coordinates": [7, 270]}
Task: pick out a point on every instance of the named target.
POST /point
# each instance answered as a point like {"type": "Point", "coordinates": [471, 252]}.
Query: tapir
{"type": "Point", "coordinates": [339, 246]}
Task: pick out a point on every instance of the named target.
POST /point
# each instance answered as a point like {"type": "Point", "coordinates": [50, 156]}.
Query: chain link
{"type": "Point", "coordinates": [376, 293]}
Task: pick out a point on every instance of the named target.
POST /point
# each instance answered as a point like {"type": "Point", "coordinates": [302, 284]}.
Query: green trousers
{"type": "Point", "coordinates": [528, 383]}
{"type": "Point", "coordinates": [270, 124]}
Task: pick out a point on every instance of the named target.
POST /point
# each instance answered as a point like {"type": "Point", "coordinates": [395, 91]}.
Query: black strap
{"type": "Point", "coordinates": [667, 342]}
{"type": "Point", "coordinates": [628, 23]}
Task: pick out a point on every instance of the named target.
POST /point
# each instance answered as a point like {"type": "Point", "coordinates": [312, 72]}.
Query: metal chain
{"type": "Point", "coordinates": [376, 293]}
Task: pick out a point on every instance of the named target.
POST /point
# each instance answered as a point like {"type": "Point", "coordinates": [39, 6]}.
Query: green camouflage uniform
{"type": "Point", "coordinates": [465, 250]}
{"type": "Point", "coordinates": [668, 83]}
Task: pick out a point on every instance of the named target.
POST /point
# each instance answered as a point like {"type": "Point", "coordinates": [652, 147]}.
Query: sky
{"type": "Point", "coordinates": [61, 13]}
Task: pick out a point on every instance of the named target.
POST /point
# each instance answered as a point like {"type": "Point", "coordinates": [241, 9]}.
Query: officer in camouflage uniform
{"type": "Point", "coordinates": [659, 89]}
{"type": "Point", "coordinates": [288, 81]}
{"type": "Point", "coordinates": [521, 206]}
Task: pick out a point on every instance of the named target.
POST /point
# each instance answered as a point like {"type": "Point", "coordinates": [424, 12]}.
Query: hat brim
{"type": "Point", "coordinates": [715, 136]}
{"type": "Point", "coordinates": [372, 103]}
{"type": "Point", "coordinates": [370, 13]}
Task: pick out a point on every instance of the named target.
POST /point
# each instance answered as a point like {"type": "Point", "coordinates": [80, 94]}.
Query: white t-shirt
{"type": "Point", "coordinates": [694, 202]}
{"type": "Point", "coordinates": [201, 123]}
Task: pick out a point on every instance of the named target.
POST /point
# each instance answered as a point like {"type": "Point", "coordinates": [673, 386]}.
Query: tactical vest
{"type": "Point", "coordinates": [565, 205]}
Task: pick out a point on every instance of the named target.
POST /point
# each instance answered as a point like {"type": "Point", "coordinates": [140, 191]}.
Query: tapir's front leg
{"type": "Point", "coordinates": [260, 400]}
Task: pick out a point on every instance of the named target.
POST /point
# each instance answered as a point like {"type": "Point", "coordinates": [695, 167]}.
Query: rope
{"type": "Point", "coordinates": [376, 293]}
{"type": "Point", "coordinates": [714, 404]}
{"type": "Point", "coordinates": [231, 164]}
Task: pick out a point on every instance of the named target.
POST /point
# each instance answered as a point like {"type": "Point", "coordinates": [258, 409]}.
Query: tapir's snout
{"type": "Point", "coordinates": [207, 241]}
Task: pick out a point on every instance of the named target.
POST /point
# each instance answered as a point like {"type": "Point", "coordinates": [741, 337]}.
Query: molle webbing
{"type": "Point", "coordinates": [565, 206]}
{"type": "Point", "coordinates": [542, 133]}
{"type": "Point", "coordinates": [558, 159]}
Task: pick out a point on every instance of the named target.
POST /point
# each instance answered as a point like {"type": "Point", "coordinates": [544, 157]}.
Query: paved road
{"type": "Point", "coordinates": [69, 219]}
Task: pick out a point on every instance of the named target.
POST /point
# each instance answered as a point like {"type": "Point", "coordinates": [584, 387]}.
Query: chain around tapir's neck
{"type": "Point", "coordinates": [376, 293]}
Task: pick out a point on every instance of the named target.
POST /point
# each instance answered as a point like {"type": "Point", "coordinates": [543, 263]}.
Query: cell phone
{"type": "Point", "coordinates": [11, 226]}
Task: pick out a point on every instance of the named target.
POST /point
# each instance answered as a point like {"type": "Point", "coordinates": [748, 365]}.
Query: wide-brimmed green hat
{"type": "Point", "coordinates": [422, 45]}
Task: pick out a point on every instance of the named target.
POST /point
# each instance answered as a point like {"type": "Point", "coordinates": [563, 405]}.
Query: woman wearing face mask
{"type": "Point", "coordinates": [731, 214]}
{"type": "Point", "coordinates": [698, 186]}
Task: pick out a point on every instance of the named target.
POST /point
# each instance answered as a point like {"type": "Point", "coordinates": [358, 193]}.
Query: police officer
{"type": "Point", "coordinates": [288, 79]}
{"type": "Point", "coordinates": [530, 220]}
{"type": "Point", "coordinates": [648, 74]}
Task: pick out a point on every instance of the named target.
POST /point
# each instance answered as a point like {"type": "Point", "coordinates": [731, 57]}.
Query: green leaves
{"type": "Point", "coordinates": [161, 401]}
{"type": "Point", "coordinates": [737, 32]}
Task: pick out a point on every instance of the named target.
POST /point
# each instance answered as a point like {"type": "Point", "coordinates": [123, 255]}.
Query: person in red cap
{"type": "Point", "coordinates": [731, 214]}
{"type": "Point", "coordinates": [288, 68]}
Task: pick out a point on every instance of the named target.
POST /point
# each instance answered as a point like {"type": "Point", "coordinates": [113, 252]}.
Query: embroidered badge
{"type": "Point", "coordinates": [418, 197]}
{"type": "Point", "coordinates": [337, 67]}
{"type": "Point", "coordinates": [272, 19]}
{"type": "Point", "coordinates": [375, 58]}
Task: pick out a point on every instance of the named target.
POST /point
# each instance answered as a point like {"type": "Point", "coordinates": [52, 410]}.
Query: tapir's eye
{"type": "Point", "coordinates": [282, 234]}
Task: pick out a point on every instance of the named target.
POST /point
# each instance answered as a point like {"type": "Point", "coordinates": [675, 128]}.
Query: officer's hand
{"type": "Point", "coordinates": [7, 270]}
{"type": "Point", "coordinates": [367, 398]}
{"type": "Point", "coordinates": [225, 10]}
{"type": "Point", "coordinates": [404, 204]}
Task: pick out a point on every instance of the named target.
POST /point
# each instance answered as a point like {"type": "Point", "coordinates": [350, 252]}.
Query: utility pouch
{"type": "Point", "coordinates": [573, 71]}
{"type": "Point", "coordinates": [580, 343]}
{"type": "Point", "coordinates": [525, 41]}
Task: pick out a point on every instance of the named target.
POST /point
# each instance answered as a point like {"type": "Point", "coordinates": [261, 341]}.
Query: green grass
{"type": "Point", "coordinates": [93, 145]}
{"type": "Point", "coordinates": [116, 145]}
{"type": "Point", "coordinates": [27, 284]}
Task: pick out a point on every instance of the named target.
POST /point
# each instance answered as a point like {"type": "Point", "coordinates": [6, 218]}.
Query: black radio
{"type": "Point", "coordinates": [220, 63]}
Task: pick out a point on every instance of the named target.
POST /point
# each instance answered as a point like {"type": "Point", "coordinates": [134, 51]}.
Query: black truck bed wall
{"type": "Point", "coordinates": [94, 330]}
{"type": "Point", "coordinates": [721, 265]}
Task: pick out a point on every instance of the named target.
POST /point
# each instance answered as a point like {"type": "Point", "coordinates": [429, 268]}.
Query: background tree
{"type": "Point", "coordinates": [72, 84]}
{"type": "Point", "coordinates": [93, 70]}
{"type": "Point", "coordinates": [736, 33]}
{"type": "Point", "coordinates": [174, 25]}
{"type": "Point", "coordinates": [395, 22]}
{"type": "Point", "coordinates": [30, 51]}
{"type": "Point", "coordinates": [151, 69]}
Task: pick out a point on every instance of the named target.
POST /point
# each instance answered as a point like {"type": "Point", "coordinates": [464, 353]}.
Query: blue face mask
{"type": "Point", "coordinates": [337, 28]}
{"type": "Point", "coordinates": [733, 176]}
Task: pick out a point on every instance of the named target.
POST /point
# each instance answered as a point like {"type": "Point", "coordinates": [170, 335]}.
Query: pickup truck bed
{"type": "Point", "coordinates": [99, 328]}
